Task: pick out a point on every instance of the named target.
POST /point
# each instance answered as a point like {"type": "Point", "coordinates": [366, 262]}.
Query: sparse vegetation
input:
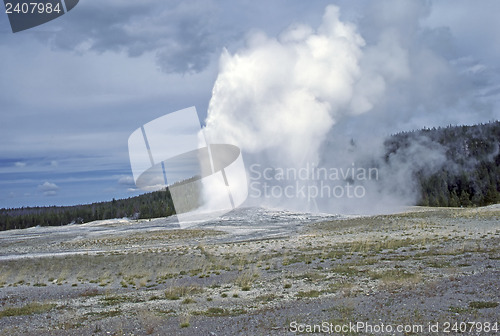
{"type": "Point", "coordinates": [354, 260]}
{"type": "Point", "coordinates": [176, 292]}
{"type": "Point", "coordinates": [393, 275]}
{"type": "Point", "coordinates": [483, 304]}
{"type": "Point", "coordinates": [29, 309]}
{"type": "Point", "coordinates": [266, 298]}
{"type": "Point", "coordinates": [246, 279]}
{"type": "Point", "coordinates": [308, 294]}
{"type": "Point", "coordinates": [217, 311]}
{"type": "Point", "coordinates": [118, 299]}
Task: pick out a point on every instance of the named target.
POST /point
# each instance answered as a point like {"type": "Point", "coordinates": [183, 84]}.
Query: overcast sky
{"type": "Point", "coordinates": [74, 89]}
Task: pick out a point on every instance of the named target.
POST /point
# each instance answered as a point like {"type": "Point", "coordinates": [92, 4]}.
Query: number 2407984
{"type": "Point", "coordinates": [32, 8]}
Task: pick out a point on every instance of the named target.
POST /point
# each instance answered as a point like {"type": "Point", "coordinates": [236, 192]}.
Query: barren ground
{"type": "Point", "coordinates": [150, 278]}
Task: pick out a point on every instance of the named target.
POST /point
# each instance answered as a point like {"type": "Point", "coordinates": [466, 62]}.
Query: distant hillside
{"type": "Point", "coordinates": [150, 205]}
{"type": "Point", "coordinates": [471, 174]}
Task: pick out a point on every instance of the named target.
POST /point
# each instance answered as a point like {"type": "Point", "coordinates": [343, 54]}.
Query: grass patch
{"type": "Point", "coordinates": [393, 275]}
{"type": "Point", "coordinates": [458, 310]}
{"type": "Point", "coordinates": [483, 304]}
{"type": "Point", "coordinates": [90, 292]}
{"type": "Point", "coordinates": [337, 286]}
{"type": "Point", "coordinates": [246, 279]}
{"type": "Point", "coordinates": [40, 284]}
{"type": "Point", "coordinates": [29, 309]}
{"type": "Point", "coordinates": [266, 298]}
{"type": "Point", "coordinates": [117, 299]}
{"type": "Point", "coordinates": [216, 311]}
{"type": "Point", "coordinates": [105, 314]}
{"type": "Point", "coordinates": [438, 264]}
{"type": "Point", "coordinates": [176, 292]}
{"type": "Point", "coordinates": [164, 311]}
{"type": "Point", "coordinates": [375, 247]}
{"type": "Point", "coordinates": [308, 294]}
{"type": "Point", "coordinates": [311, 276]}
{"type": "Point", "coordinates": [344, 270]}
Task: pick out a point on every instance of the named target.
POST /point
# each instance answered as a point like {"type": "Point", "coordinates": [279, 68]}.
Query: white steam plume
{"type": "Point", "coordinates": [280, 97]}
{"type": "Point", "coordinates": [296, 101]}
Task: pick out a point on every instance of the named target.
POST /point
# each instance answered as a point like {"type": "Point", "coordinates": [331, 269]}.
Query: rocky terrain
{"type": "Point", "coordinates": [275, 275]}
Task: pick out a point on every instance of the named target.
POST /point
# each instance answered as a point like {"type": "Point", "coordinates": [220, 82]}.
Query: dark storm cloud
{"type": "Point", "coordinates": [184, 36]}
{"type": "Point", "coordinates": [181, 34]}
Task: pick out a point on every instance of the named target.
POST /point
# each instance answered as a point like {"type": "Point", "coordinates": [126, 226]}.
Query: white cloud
{"type": "Point", "coordinates": [126, 181]}
{"type": "Point", "coordinates": [48, 188]}
{"type": "Point", "coordinates": [20, 164]}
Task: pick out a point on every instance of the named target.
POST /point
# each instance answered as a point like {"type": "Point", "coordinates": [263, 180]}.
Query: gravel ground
{"type": "Point", "coordinates": [258, 272]}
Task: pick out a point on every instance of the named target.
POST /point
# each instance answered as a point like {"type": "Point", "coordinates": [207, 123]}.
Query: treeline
{"type": "Point", "coordinates": [150, 205]}
{"type": "Point", "coordinates": [470, 177]}
{"type": "Point", "coordinates": [471, 174]}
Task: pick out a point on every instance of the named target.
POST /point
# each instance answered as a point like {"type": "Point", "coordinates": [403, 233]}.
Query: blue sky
{"type": "Point", "coordinates": [73, 90]}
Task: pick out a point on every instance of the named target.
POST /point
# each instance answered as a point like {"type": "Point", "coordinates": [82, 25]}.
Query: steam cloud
{"type": "Point", "coordinates": [297, 101]}
{"type": "Point", "coordinates": [280, 97]}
